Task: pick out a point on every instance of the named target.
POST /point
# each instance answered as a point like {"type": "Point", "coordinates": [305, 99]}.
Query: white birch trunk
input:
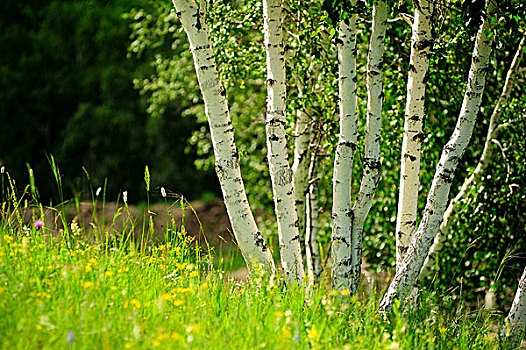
{"type": "Point", "coordinates": [311, 225]}
{"type": "Point", "coordinates": [280, 172]}
{"type": "Point", "coordinates": [371, 159]}
{"type": "Point", "coordinates": [300, 167]}
{"type": "Point", "coordinates": [437, 198]}
{"type": "Point", "coordinates": [343, 161]}
{"type": "Point", "coordinates": [253, 247]}
{"type": "Point", "coordinates": [421, 45]}
{"type": "Point", "coordinates": [348, 222]}
{"type": "Point", "coordinates": [495, 126]}
{"type": "Point", "coordinates": [515, 323]}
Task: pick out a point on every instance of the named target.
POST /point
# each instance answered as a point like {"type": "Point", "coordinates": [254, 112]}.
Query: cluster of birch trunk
{"type": "Point", "coordinates": [293, 186]}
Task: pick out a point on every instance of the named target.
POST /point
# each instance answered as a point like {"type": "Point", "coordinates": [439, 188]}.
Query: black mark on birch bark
{"type": "Point", "coordinates": [283, 177]}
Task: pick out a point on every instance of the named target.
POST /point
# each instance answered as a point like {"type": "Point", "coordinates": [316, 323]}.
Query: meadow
{"type": "Point", "coordinates": [79, 293]}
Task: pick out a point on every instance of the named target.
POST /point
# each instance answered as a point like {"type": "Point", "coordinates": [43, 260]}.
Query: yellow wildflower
{"type": "Point", "coordinates": [431, 340]}
{"type": "Point", "coordinates": [194, 329]}
{"type": "Point", "coordinates": [313, 333]}
{"type": "Point", "coordinates": [136, 303]}
{"type": "Point", "coordinates": [167, 296]}
{"type": "Point", "coordinates": [285, 333]}
{"type": "Point", "coordinates": [88, 284]}
{"type": "Point", "coordinates": [163, 336]}
{"type": "Point", "coordinates": [178, 302]}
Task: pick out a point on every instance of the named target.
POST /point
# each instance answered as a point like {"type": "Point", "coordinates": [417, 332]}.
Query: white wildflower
{"type": "Point", "coordinates": [163, 191]}
{"type": "Point", "coordinates": [125, 196]}
{"type": "Point", "coordinates": [98, 191]}
{"type": "Point", "coordinates": [75, 229]}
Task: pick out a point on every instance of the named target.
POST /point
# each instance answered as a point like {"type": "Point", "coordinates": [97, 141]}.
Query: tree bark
{"type": "Point", "coordinates": [371, 159]}
{"type": "Point", "coordinates": [343, 161]}
{"type": "Point", "coordinates": [421, 46]}
{"type": "Point", "coordinates": [515, 323]}
{"type": "Point", "coordinates": [311, 225]}
{"type": "Point", "coordinates": [495, 126]}
{"type": "Point", "coordinates": [437, 198]}
{"type": "Point", "coordinates": [253, 247]}
{"type": "Point", "coordinates": [280, 172]}
{"type": "Point", "coordinates": [348, 223]}
{"type": "Point", "coordinates": [300, 167]}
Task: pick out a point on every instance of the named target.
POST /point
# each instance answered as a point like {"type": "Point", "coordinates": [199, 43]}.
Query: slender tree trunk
{"type": "Point", "coordinates": [371, 159]}
{"type": "Point", "coordinates": [302, 154]}
{"type": "Point", "coordinates": [311, 223]}
{"type": "Point", "coordinates": [437, 198]}
{"type": "Point", "coordinates": [250, 241]}
{"type": "Point", "coordinates": [421, 45]}
{"type": "Point", "coordinates": [300, 167]}
{"type": "Point", "coordinates": [348, 222]}
{"type": "Point", "coordinates": [280, 172]}
{"type": "Point", "coordinates": [495, 126]}
{"type": "Point", "coordinates": [343, 161]}
{"type": "Point", "coordinates": [515, 323]}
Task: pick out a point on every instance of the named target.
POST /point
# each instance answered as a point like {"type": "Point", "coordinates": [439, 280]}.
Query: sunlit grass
{"type": "Point", "coordinates": [92, 296]}
{"type": "Point", "coordinates": [129, 292]}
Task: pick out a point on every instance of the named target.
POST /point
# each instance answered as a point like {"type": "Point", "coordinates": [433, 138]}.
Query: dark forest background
{"type": "Point", "coordinates": [66, 89]}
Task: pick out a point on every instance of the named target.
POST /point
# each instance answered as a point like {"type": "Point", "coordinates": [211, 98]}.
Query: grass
{"type": "Point", "coordinates": [92, 296]}
{"type": "Point", "coordinates": [116, 294]}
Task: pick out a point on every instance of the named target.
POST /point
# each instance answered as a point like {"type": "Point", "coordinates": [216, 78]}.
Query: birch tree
{"type": "Point", "coordinates": [251, 243]}
{"type": "Point", "coordinates": [494, 129]}
{"type": "Point", "coordinates": [309, 53]}
{"type": "Point", "coordinates": [280, 172]}
{"type": "Point", "coordinates": [311, 224]}
{"type": "Point", "coordinates": [300, 167]}
{"type": "Point", "coordinates": [421, 45]}
{"type": "Point", "coordinates": [344, 157]}
{"type": "Point", "coordinates": [515, 322]}
{"type": "Point", "coordinates": [437, 198]}
{"type": "Point", "coordinates": [348, 222]}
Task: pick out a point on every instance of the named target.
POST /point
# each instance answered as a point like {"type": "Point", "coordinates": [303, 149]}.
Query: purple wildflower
{"type": "Point", "coordinates": [38, 224]}
{"type": "Point", "coordinates": [71, 335]}
{"type": "Point", "coordinates": [297, 336]}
